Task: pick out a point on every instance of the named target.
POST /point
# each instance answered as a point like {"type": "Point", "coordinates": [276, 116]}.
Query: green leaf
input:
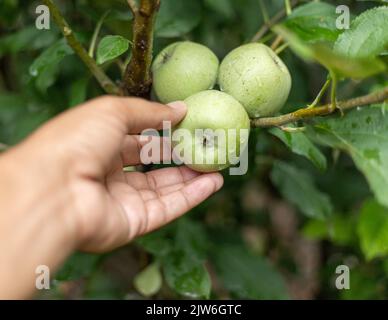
{"type": "Point", "coordinates": [26, 39]}
{"type": "Point", "coordinates": [186, 275]}
{"type": "Point", "coordinates": [367, 36]}
{"type": "Point", "coordinates": [47, 77]}
{"type": "Point", "coordinates": [298, 187]}
{"type": "Point", "coordinates": [313, 22]}
{"type": "Point", "coordinates": [176, 18]}
{"type": "Point", "coordinates": [363, 134]}
{"type": "Point", "coordinates": [364, 285]}
{"type": "Point", "coordinates": [191, 238]}
{"type": "Point", "coordinates": [316, 230]}
{"type": "Point", "coordinates": [300, 144]}
{"type": "Point", "coordinates": [26, 123]}
{"type": "Point", "coordinates": [103, 285]}
{"type": "Point", "coordinates": [12, 108]}
{"type": "Point", "coordinates": [79, 265]}
{"type": "Point", "coordinates": [45, 66]}
{"type": "Point", "coordinates": [339, 229]}
{"type": "Point", "coordinates": [19, 116]}
{"type": "Point", "coordinates": [184, 265]}
{"type": "Point", "coordinates": [49, 58]}
{"type": "Point", "coordinates": [149, 281]}
{"type": "Point", "coordinates": [181, 249]}
{"type": "Point", "coordinates": [111, 47]}
{"type": "Point", "coordinates": [342, 66]}
{"type": "Point", "coordinates": [221, 7]}
{"type": "Point", "coordinates": [78, 91]}
{"type": "Point", "coordinates": [157, 243]}
{"type": "Point", "coordinates": [373, 230]}
{"type": "Point", "coordinates": [247, 276]}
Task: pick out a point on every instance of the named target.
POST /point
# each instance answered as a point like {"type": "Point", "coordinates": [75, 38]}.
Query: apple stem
{"type": "Point", "coordinates": [271, 22]}
{"type": "Point", "coordinates": [320, 94]}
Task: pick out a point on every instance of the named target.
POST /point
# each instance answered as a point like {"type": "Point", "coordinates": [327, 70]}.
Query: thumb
{"type": "Point", "coordinates": [138, 114]}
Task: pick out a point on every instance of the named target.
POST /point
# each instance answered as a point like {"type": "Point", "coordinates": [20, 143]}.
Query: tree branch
{"type": "Point", "coordinates": [137, 76]}
{"type": "Point", "coordinates": [106, 83]}
{"type": "Point", "coordinates": [306, 113]}
{"type": "Point", "coordinates": [269, 24]}
{"type": "Point", "coordinates": [133, 6]}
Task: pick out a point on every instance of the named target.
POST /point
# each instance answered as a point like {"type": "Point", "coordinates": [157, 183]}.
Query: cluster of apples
{"type": "Point", "coordinates": [253, 82]}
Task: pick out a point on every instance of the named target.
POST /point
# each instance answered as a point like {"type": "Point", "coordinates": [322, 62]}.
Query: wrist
{"type": "Point", "coordinates": [34, 215]}
{"type": "Point", "coordinates": [34, 184]}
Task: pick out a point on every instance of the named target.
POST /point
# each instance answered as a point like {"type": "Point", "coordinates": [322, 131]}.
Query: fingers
{"type": "Point", "coordinates": [97, 130]}
{"type": "Point", "coordinates": [170, 206]}
{"type": "Point", "coordinates": [157, 179]}
{"type": "Point", "coordinates": [138, 114]}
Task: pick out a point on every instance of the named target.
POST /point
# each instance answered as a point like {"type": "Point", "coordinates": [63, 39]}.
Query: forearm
{"type": "Point", "coordinates": [36, 228]}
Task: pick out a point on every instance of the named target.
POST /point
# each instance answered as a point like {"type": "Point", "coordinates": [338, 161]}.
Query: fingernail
{"type": "Point", "coordinates": [219, 180]}
{"type": "Point", "coordinates": [178, 105]}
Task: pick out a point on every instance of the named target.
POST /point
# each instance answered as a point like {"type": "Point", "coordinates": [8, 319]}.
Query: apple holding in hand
{"type": "Point", "coordinates": [257, 77]}
{"type": "Point", "coordinates": [214, 132]}
{"type": "Point", "coordinates": [183, 69]}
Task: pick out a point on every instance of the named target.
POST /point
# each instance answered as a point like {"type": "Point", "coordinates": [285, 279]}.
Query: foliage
{"type": "Point", "coordinates": [319, 190]}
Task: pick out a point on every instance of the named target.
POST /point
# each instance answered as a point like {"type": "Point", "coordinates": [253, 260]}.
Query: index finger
{"type": "Point", "coordinates": [139, 114]}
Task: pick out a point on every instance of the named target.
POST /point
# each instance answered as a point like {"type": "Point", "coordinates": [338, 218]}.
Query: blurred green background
{"type": "Point", "coordinates": [278, 232]}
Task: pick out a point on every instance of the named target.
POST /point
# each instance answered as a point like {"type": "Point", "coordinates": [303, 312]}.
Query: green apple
{"type": "Point", "coordinates": [257, 77]}
{"type": "Point", "coordinates": [214, 132]}
{"type": "Point", "coordinates": [183, 69]}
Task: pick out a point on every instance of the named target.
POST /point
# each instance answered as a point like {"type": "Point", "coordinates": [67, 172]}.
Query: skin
{"type": "Point", "coordinates": [183, 69]}
{"type": "Point", "coordinates": [257, 77]}
{"type": "Point", "coordinates": [214, 110]}
{"type": "Point", "coordinates": [64, 188]}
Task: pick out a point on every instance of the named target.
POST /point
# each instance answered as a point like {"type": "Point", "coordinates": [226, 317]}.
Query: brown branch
{"type": "Point", "coordinates": [271, 22]}
{"type": "Point", "coordinates": [137, 76]}
{"type": "Point", "coordinates": [106, 83]}
{"type": "Point", "coordinates": [307, 113]}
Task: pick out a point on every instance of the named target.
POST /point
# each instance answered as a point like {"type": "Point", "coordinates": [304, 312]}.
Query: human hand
{"type": "Point", "coordinates": [89, 147]}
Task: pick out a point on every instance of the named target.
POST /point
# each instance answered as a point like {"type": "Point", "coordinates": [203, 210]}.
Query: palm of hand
{"type": "Point", "coordinates": [130, 204]}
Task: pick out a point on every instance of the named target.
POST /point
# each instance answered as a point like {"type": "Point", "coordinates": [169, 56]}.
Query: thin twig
{"type": "Point", "coordinates": [320, 94]}
{"type": "Point", "coordinates": [137, 78]}
{"type": "Point", "coordinates": [133, 6]}
{"type": "Point", "coordinates": [106, 83]}
{"type": "Point", "coordinates": [268, 25]}
{"type": "Point", "coordinates": [96, 33]}
{"type": "Point", "coordinates": [275, 44]}
{"type": "Point", "coordinates": [292, 129]}
{"type": "Point", "coordinates": [264, 11]}
{"type": "Point", "coordinates": [283, 47]}
{"type": "Point", "coordinates": [287, 4]}
{"type": "Point", "coordinates": [333, 93]}
{"type": "Point", "coordinates": [306, 113]}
